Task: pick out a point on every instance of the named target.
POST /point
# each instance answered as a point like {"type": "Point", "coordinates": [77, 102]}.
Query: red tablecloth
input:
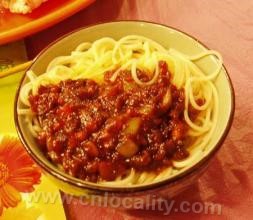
{"type": "Point", "coordinates": [226, 26]}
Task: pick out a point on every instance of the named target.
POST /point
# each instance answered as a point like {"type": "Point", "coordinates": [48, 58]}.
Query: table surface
{"type": "Point", "coordinates": [226, 26]}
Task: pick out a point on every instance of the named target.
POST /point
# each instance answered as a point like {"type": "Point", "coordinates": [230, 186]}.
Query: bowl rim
{"type": "Point", "coordinates": [60, 175]}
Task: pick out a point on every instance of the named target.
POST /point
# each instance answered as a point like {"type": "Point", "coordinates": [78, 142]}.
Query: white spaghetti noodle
{"type": "Point", "coordinates": [132, 52]}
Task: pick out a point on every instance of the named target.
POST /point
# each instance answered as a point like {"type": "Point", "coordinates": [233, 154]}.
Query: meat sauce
{"type": "Point", "coordinates": [99, 131]}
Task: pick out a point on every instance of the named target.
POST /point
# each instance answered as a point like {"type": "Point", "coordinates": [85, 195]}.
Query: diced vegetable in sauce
{"type": "Point", "coordinates": [127, 148]}
{"type": "Point", "coordinates": [132, 126]}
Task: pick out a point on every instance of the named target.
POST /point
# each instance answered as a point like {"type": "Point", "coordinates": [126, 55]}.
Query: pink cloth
{"type": "Point", "coordinates": [226, 26]}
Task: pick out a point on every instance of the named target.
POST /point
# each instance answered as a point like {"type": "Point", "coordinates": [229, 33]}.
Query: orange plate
{"type": "Point", "coordinates": [16, 26]}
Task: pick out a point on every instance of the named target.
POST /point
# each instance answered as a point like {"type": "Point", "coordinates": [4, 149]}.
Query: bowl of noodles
{"type": "Point", "coordinates": [126, 108]}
